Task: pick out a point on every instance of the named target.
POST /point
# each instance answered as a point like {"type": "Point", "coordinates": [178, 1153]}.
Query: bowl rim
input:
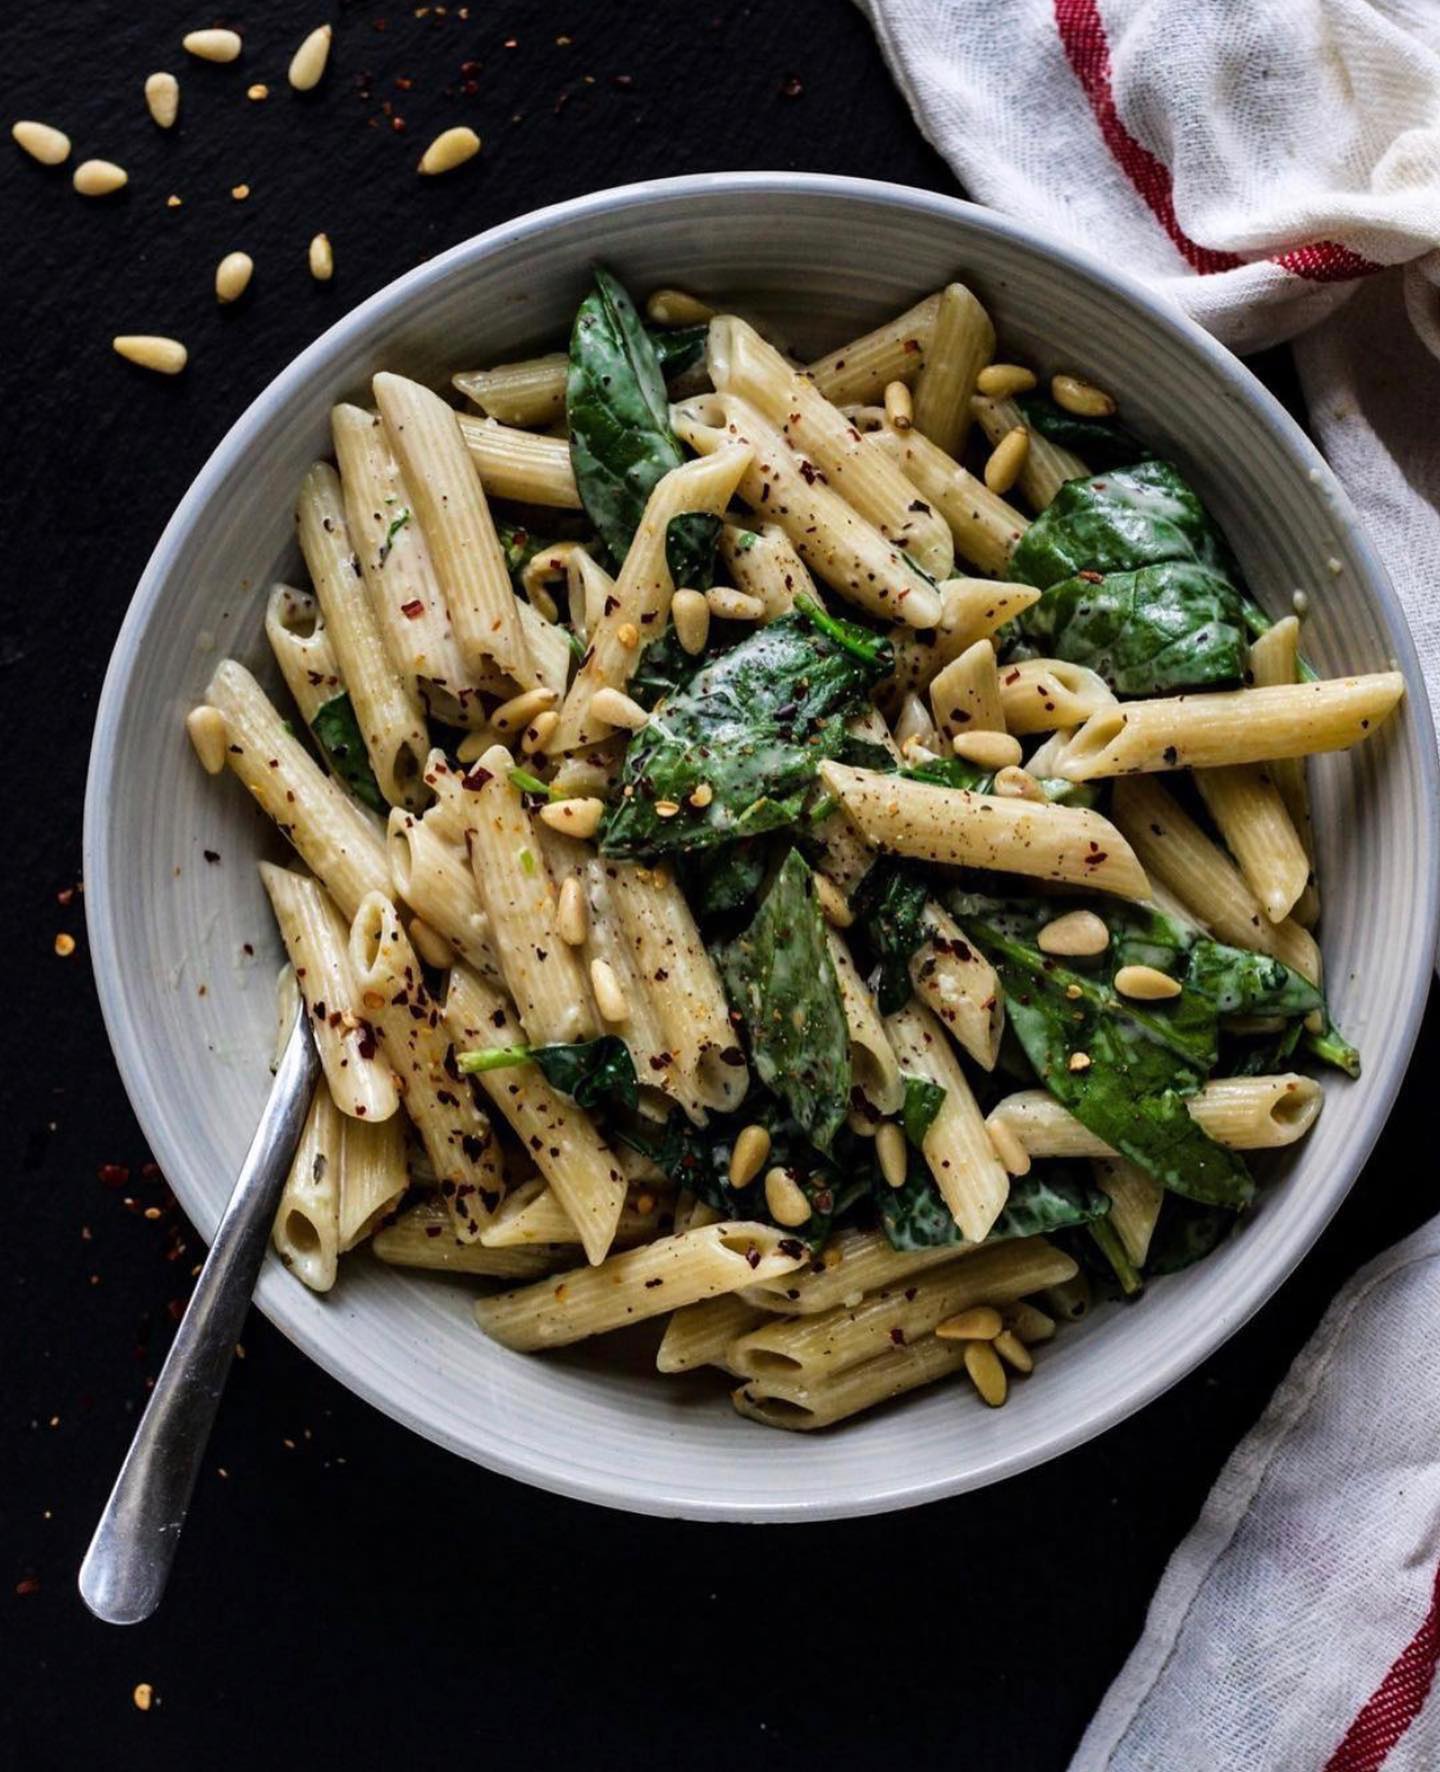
{"type": "Point", "coordinates": [102, 892]}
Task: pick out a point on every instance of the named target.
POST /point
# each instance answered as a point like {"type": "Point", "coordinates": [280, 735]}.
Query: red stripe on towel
{"type": "Point", "coordinates": [1395, 1703]}
{"type": "Point", "coordinates": [1082, 32]}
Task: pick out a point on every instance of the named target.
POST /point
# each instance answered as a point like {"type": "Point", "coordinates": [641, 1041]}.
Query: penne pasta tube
{"type": "Point", "coordinates": [533, 1213]}
{"type": "Point", "coordinates": [961, 344]}
{"type": "Point", "coordinates": [972, 1180]}
{"type": "Point", "coordinates": [763, 562]}
{"type": "Point", "coordinates": [1135, 1201]}
{"type": "Point", "coordinates": [434, 877]}
{"type": "Point", "coordinates": [458, 528]}
{"type": "Point", "coordinates": [404, 590]}
{"type": "Point", "coordinates": [373, 1176]}
{"type": "Point", "coordinates": [811, 1348]}
{"type": "Point", "coordinates": [317, 939]}
{"type": "Point", "coordinates": [302, 649]}
{"type": "Point", "coordinates": [335, 836]}
{"type": "Point", "coordinates": [1040, 694]}
{"type": "Point", "coordinates": [1047, 466]}
{"type": "Point", "coordinates": [803, 1407]}
{"type": "Point", "coordinates": [423, 1238]}
{"type": "Point", "coordinates": [387, 712]}
{"type": "Point", "coordinates": [645, 1282]}
{"type": "Point", "coordinates": [874, 1068]}
{"type": "Point", "coordinates": [1184, 861]}
{"type": "Point", "coordinates": [415, 1043]}
{"type": "Point", "coordinates": [971, 609]}
{"type": "Point", "coordinates": [1274, 658]}
{"type": "Point", "coordinates": [854, 1262]}
{"type": "Point", "coordinates": [958, 985]}
{"type": "Point", "coordinates": [306, 1232]}
{"type": "Point", "coordinates": [838, 546]}
{"type": "Point", "coordinates": [531, 469]}
{"type": "Point", "coordinates": [531, 392]}
{"type": "Point", "coordinates": [639, 607]}
{"type": "Point", "coordinates": [1249, 813]}
{"type": "Point", "coordinates": [955, 828]}
{"type": "Point", "coordinates": [741, 363]}
{"type": "Point", "coordinates": [582, 1170]}
{"type": "Point", "coordinates": [1243, 1113]}
{"type": "Point", "coordinates": [659, 928]}
{"type": "Point", "coordinates": [700, 1334]}
{"type": "Point", "coordinates": [985, 528]}
{"type": "Point", "coordinates": [860, 371]}
{"type": "Point", "coordinates": [965, 695]}
{"type": "Point", "coordinates": [542, 972]}
{"type": "Point", "coordinates": [1234, 726]}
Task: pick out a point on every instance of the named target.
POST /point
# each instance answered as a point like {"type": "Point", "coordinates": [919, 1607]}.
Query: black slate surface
{"type": "Point", "coordinates": [345, 1589]}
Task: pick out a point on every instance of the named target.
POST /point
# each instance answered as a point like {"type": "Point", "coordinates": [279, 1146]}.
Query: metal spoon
{"type": "Point", "coordinates": [128, 1563]}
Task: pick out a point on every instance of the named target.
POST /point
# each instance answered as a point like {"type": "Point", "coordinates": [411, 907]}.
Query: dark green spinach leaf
{"type": "Point", "coordinates": [337, 732]}
{"type": "Point", "coordinates": [923, 1100]}
{"type": "Point", "coordinates": [1049, 1198]}
{"type": "Point", "coordinates": [593, 1073]}
{"type": "Point", "coordinates": [1185, 1233]}
{"type": "Point", "coordinates": [889, 906]}
{"type": "Point", "coordinates": [1099, 442]}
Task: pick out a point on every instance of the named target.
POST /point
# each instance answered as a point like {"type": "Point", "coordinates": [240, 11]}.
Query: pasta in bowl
{"type": "Point", "coordinates": [810, 852]}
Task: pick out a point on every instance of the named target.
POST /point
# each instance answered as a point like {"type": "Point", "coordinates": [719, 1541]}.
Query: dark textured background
{"type": "Point", "coordinates": [343, 1586]}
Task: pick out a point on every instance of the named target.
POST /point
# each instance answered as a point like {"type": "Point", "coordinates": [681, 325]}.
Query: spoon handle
{"type": "Point", "coordinates": [128, 1563]}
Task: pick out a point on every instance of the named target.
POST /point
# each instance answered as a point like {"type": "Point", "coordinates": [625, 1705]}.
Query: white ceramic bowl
{"type": "Point", "coordinates": [824, 258]}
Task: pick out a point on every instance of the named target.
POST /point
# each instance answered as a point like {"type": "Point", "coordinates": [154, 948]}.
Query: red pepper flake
{"type": "Point", "coordinates": [66, 895]}
{"type": "Point", "coordinates": [113, 1174]}
{"type": "Point", "coordinates": [897, 1335]}
{"type": "Point", "coordinates": [623, 81]}
{"type": "Point", "coordinates": [1092, 578]}
{"type": "Point", "coordinates": [414, 609]}
{"type": "Point", "coordinates": [27, 1585]}
{"type": "Point", "coordinates": [175, 1309]}
{"type": "Point", "coordinates": [790, 87]}
{"type": "Point", "coordinates": [477, 778]}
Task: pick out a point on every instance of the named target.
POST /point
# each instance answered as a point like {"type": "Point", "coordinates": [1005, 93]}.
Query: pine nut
{"type": "Point", "coordinates": [1078, 1061]}
{"type": "Point", "coordinates": [579, 817]}
{"type": "Point", "coordinates": [1081, 397]}
{"type": "Point", "coordinates": [609, 997]}
{"type": "Point", "coordinates": [166, 356]}
{"type": "Point", "coordinates": [1013, 783]}
{"type": "Point", "coordinates": [673, 307]}
{"type": "Point", "coordinates": [572, 913]}
{"type": "Point", "coordinates": [212, 46]}
{"type": "Point", "coordinates": [162, 99]}
{"type": "Point", "coordinates": [748, 1155]}
{"type": "Point", "coordinates": [988, 750]}
{"type": "Point", "coordinates": [1005, 1141]}
{"type": "Point", "coordinates": [321, 258]}
{"type": "Point", "coordinates": [307, 65]}
{"type": "Point", "coordinates": [691, 615]}
{"type": "Point", "coordinates": [786, 1199]}
{"type": "Point", "coordinates": [450, 149]}
{"type": "Point", "coordinates": [539, 732]}
{"type": "Point", "coordinates": [701, 797]}
{"type": "Point", "coordinates": [1077, 932]}
{"type": "Point", "coordinates": [899, 407]}
{"type": "Point", "coordinates": [1028, 1323]}
{"type": "Point", "coordinates": [834, 907]}
{"type": "Point", "coordinates": [51, 147]}
{"type": "Point", "coordinates": [1013, 1351]}
{"type": "Point", "coordinates": [980, 1323]}
{"type": "Point", "coordinates": [733, 605]}
{"type": "Point", "coordinates": [232, 276]}
{"type": "Point", "coordinates": [257, 93]}
{"type": "Point", "coordinates": [1002, 381]}
{"type": "Point", "coordinates": [99, 178]}
{"type": "Point", "coordinates": [1007, 459]}
{"type": "Point", "coordinates": [431, 946]}
{"type": "Point", "coordinates": [1146, 983]}
{"type": "Point", "coordinates": [616, 708]}
{"type": "Point", "coordinates": [521, 709]}
{"type": "Point", "coordinates": [667, 808]}
{"type": "Point", "coordinates": [209, 734]}
{"type": "Point", "coordinates": [891, 1154]}
{"type": "Point", "coordinates": [474, 746]}
{"type": "Point", "coordinates": [986, 1372]}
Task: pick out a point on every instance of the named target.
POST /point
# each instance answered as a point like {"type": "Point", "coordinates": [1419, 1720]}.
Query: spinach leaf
{"type": "Point", "coordinates": [621, 444]}
{"type": "Point", "coordinates": [1330, 1046]}
{"type": "Point", "coordinates": [593, 1073]}
{"type": "Point", "coordinates": [923, 1100]}
{"type": "Point", "coordinates": [678, 348]}
{"type": "Point", "coordinates": [1185, 1233]}
{"type": "Point", "coordinates": [780, 976]}
{"type": "Point", "coordinates": [1174, 625]}
{"type": "Point", "coordinates": [337, 732]}
{"type": "Point", "coordinates": [1049, 1198]}
{"type": "Point", "coordinates": [889, 906]}
{"type": "Point", "coordinates": [1262, 1058]}
{"type": "Point", "coordinates": [956, 772]}
{"type": "Point", "coordinates": [1133, 1067]}
{"type": "Point", "coordinates": [752, 725]}
{"type": "Point", "coordinates": [1099, 442]}
{"type": "Point", "coordinates": [723, 879]}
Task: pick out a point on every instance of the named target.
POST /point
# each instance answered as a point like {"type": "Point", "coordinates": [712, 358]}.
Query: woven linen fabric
{"type": "Point", "coordinates": [1272, 167]}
